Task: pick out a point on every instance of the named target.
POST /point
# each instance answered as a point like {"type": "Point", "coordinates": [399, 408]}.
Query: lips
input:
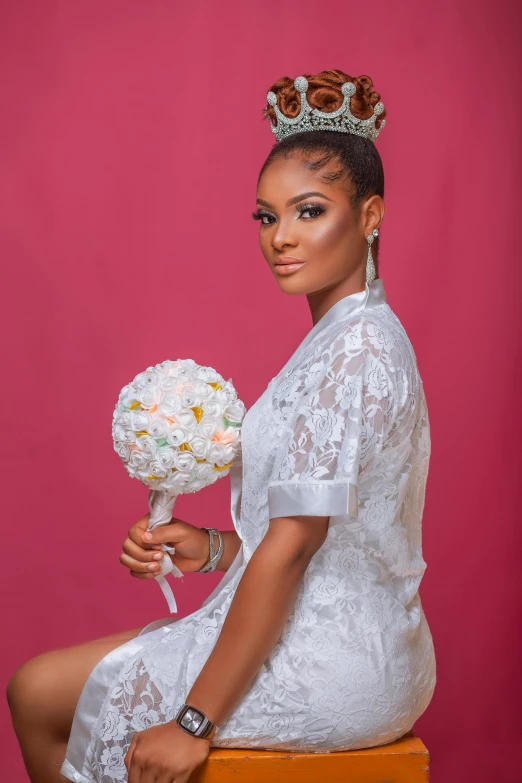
{"type": "Point", "coordinates": [288, 260]}
{"type": "Point", "coordinates": [287, 265]}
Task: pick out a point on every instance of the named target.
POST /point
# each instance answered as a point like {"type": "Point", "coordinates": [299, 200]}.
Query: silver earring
{"type": "Point", "coordinates": [370, 266]}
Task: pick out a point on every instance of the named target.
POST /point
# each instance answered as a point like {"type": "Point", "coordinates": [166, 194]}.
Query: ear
{"type": "Point", "coordinates": [372, 214]}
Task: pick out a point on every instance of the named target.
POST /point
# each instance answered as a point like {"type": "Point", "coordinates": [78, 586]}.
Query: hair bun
{"type": "Point", "coordinates": [324, 93]}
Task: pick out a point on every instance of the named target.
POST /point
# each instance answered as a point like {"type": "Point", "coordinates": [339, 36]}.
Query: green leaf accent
{"type": "Point", "coordinates": [162, 441]}
{"type": "Point", "coordinates": [231, 423]}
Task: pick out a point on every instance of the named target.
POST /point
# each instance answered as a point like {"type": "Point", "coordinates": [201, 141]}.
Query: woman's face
{"type": "Point", "coordinates": [313, 223]}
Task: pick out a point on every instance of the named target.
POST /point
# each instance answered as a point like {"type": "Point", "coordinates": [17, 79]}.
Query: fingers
{"type": "Point", "coordinates": [163, 534]}
{"type": "Point", "coordinates": [136, 531]}
{"type": "Point", "coordinates": [137, 551]}
{"type": "Point", "coordinates": [142, 570]}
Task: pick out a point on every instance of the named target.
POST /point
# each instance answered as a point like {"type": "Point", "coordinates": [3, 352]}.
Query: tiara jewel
{"type": "Point", "coordinates": [310, 119]}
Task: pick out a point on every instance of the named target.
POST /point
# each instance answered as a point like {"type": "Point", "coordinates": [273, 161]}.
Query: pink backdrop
{"type": "Point", "coordinates": [131, 140]}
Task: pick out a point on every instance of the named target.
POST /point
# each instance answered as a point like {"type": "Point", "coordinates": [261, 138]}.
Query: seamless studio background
{"type": "Point", "coordinates": [130, 144]}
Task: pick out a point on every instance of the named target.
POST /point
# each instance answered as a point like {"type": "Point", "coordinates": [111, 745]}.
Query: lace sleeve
{"type": "Point", "coordinates": [347, 402]}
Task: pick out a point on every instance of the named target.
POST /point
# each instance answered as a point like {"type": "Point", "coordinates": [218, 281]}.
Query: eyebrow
{"type": "Point", "coordinates": [295, 199]}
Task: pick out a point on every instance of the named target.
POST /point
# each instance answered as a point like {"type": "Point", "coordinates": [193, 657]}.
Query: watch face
{"type": "Point", "coordinates": [191, 720]}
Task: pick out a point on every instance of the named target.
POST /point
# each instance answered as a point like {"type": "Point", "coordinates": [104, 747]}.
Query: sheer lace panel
{"type": "Point", "coordinates": [347, 402]}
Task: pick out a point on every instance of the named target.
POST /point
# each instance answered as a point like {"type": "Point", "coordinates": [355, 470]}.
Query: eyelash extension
{"type": "Point", "coordinates": [312, 207]}
{"type": "Point", "coordinates": [259, 214]}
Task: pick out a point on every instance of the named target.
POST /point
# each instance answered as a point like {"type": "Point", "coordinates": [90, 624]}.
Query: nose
{"type": "Point", "coordinates": [284, 234]}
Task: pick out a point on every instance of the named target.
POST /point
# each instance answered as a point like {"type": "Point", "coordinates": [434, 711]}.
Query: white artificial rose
{"type": "Point", "coordinates": [148, 396]}
{"type": "Point", "coordinates": [203, 390]}
{"type": "Point", "coordinates": [169, 405]}
{"type": "Point", "coordinates": [146, 378]}
{"type": "Point", "coordinates": [129, 398]}
{"type": "Point", "coordinates": [122, 450]}
{"type": "Point", "coordinates": [147, 444]}
{"type": "Point", "coordinates": [205, 471]}
{"type": "Point", "coordinates": [130, 436]}
{"type": "Point", "coordinates": [216, 454]}
{"type": "Point", "coordinates": [186, 419]}
{"type": "Point", "coordinates": [176, 435]}
{"type": "Point", "coordinates": [187, 369]}
{"type": "Point", "coordinates": [188, 397]}
{"type": "Point", "coordinates": [158, 469]}
{"type": "Point", "coordinates": [157, 427]}
{"type": "Point", "coordinates": [125, 392]}
{"type": "Point", "coordinates": [212, 408]}
{"type": "Point", "coordinates": [207, 427]}
{"type": "Point", "coordinates": [199, 446]}
{"type": "Point", "coordinates": [137, 459]}
{"type": "Point", "coordinates": [203, 374]}
{"type": "Point", "coordinates": [184, 461]}
{"type": "Point", "coordinates": [167, 382]}
{"type": "Point", "coordinates": [178, 481]}
{"type": "Point", "coordinates": [139, 420]}
{"type": "Point", "coordinates": [196, 485]}
{"type": "Point", "coordinates": [166, 457]}
{"type": "Point", "coordinates": [119, 432]}
{"type": "Point", "coordinates": [229, 451]}
{"type": "Point", "coordinates": [212, 376]}
{"type": "Point", "coordinates": [235, 412]}
{"type": "Point", "coordinates": [222, 397]}
{"type": "Point", "coordinates": [123, 418]}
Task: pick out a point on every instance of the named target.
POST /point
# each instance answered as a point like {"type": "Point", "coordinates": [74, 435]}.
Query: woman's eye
{"type": "Point", "coordinates": [261, 215]}
{"type": "Point", "coordinates": [314, 209]}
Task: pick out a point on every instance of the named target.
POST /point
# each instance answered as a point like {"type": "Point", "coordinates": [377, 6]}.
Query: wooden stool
{"type": "Point", "coordinates": [404, 761]}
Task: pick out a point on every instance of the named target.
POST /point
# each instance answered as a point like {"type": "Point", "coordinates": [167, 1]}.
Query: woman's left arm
{"type": "Point", "coordinates": [261, 605]}
{"type": "Point", "coordinates": [257, 615]}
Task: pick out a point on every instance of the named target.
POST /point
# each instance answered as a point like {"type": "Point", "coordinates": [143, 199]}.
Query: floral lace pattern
{"type": "Point", "coordinates": [354, 666]}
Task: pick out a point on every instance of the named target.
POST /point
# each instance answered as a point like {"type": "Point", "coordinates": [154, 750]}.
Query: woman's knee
{"type": "Point", "coordinates": [44, 690]}
{"type": "Point", "coordinates": [29, 689]}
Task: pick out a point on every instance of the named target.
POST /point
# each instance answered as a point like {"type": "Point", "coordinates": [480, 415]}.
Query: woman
{"type": "Point", "coordinates": [315, 639]}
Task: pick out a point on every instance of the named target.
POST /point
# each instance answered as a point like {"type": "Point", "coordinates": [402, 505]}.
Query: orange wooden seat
{"type": "Point", "coordinates": [404, 761]}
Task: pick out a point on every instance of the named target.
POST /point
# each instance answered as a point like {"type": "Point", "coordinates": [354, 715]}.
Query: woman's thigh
{"type": "Point", "coordinates": [45, 690]}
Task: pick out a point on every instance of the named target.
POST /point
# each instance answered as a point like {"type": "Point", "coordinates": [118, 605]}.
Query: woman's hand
{"type": "Point", "coordinates": [164, 754]}
{"type": "Point", "coordinates": [143, 555]}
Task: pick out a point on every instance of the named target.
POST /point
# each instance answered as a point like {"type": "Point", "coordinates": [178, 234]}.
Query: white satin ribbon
{"type": "Point", "coordinates": [161, 504]}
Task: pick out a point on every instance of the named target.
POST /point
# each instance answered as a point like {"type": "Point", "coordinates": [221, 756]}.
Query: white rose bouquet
{"type": "Point", "coordinates": [177, 428]}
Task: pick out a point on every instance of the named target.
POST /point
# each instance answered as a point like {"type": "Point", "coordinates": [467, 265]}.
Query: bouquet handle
{"type": "Point", "coordinates": [161, 504]}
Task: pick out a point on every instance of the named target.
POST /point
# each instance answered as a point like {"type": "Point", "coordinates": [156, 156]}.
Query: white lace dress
{"type": "Point", "coordinates": [341, 431]}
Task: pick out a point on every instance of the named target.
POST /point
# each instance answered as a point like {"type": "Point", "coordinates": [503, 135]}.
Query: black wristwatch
{"type": "Point", "coordinates": [195, 722]}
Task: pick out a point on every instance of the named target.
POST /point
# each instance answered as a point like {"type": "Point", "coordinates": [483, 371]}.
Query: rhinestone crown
{"type": "Point", "coordinates": [313, 119]}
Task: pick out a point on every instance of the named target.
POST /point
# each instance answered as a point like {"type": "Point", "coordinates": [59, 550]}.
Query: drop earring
{"type": "Point", "coordinates": [370, 266]}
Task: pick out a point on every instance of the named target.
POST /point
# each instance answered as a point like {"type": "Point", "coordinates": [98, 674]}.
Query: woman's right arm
{"type": "Point", "coordinates": [141, 554]}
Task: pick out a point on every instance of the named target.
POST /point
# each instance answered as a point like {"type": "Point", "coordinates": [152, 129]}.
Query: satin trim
{"type": "Point", "coordinates": [371, 296]}
{"type": "Point", "coordinates": [328, 498]}
{"type": "Point", "coordinates": [91, 700]}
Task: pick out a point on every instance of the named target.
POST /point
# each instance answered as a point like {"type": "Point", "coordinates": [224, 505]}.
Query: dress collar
{"type": "Point", "coordinates": [369, 297]}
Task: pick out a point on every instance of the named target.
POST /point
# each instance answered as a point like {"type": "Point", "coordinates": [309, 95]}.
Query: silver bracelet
{"type": "Point", "coordinates": [214, 556]}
